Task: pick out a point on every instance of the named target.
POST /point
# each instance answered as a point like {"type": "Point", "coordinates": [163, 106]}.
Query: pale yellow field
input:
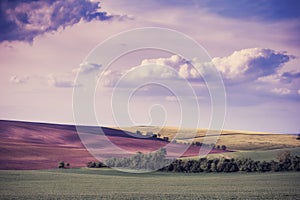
{"type": "Point", "coordinates": [234, 140]}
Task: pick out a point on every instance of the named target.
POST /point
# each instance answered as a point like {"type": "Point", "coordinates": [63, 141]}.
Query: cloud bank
{"type": "Point", "coordinates": [259, 70]}
{"type": "Point", "coordinates": [23, 20]}
{"type": "Point", "coordinates": [240, 66]}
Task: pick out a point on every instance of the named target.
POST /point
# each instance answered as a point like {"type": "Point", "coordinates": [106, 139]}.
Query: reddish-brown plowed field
{"type": "Point", "coordinates": [28, 145]}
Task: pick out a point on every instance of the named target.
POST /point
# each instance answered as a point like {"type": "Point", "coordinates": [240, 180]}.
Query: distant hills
{"type": "Point", "coordinates": [234, 139]}
{"type": "Point", "coordinates": [31, 145]}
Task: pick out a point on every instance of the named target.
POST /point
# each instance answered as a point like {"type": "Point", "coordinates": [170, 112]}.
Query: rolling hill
{"type": "Point", "coordinates": [29, 145]}
{"type": "Point", "coordinates": [233, 139]}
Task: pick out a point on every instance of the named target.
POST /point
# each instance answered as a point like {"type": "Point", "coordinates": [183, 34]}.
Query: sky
{"type": "Point", "coordinates": [253, 45]}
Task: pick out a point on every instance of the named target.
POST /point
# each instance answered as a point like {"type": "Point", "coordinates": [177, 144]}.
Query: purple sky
{"type": "Point", "coordinates": [255, 46]}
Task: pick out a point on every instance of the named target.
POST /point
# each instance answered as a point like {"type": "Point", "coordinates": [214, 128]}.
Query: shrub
{"type": "Point", "coordinates": [95, 165]}
{"type": "Point", "coordinates": [61, 164]}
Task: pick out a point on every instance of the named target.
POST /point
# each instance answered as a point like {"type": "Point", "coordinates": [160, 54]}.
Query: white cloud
{"type": "Point", "coordinates": [256, 68]}
{"type": "Point", "coordinates": [66, 80]}
{"type": "Point", "coordinates": [109, 78]}
{"type": "Point", "coordinates": [244, 65]}
{"type": "Point", "coordinates": [273, 78]}
{"type": "Point", "coordinates": [19, 79]}
{"type": "Point", "coordinates": [250, 63]}
{"type": "Point", "coordinates": [87, 67]}
{"type": "Point", "coordinates": [61, 81]}
{"type": "Point", "coordinates": [171, 98]}
{"type": "Point", "coordinates": [183, 67]}
{"type": "Point", "coordinates": [281, 91]}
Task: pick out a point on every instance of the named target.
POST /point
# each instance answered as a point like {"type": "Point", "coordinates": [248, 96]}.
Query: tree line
{"type": "Point", "coordinates": [149, 161]}
{"type": "Point", "coordinates": [197, 143]}
{"type": "Point", "coordinates": [157, 160]}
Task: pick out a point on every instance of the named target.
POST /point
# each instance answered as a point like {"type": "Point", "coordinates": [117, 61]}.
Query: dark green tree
{"type": "Point", "coordinates": [61, 164]}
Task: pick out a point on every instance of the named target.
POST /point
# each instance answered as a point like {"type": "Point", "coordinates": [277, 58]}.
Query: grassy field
{"type": "Point", "coordinates": [109, 184]}
{"type": "Point", "coordinates": [265, 155]}
{"type": "Point", "coordinates": [233, 139]}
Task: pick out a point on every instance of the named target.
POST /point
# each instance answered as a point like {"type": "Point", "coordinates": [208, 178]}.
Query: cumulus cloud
{"type": "Point", "coordinates": [24, 20]}
{"type": "Point", "coordinates": [65, 80]}
{"type": "Point", "coordinates": [281, 91]}
{"type": "Point", "coordinates": [250, 63]}
{"type": "Point", "coordinates": [244, 65]}
{"type": "Point", "coordinates": [260, 70]}
{"type": "Point", "coordinates": [19, 79]}
{"type": "Point", "coordinates": [183, 67]}
{"type": "Point", "coordinates": [109, 78]}
{"type": "Point", "coordinates": [285, 82]}
{"type": "Point", "coordinates": [61, 81]}
{"type": "Point", "coordinates": [87, 67]}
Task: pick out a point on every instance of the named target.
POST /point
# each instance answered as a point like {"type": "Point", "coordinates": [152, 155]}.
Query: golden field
{"type": "Point", "coordinates": [232, 139]}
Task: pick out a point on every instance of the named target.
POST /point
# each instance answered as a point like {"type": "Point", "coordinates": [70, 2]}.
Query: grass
{"type": "Point", "coordinates": [265, 155]}
{"type": "Point", "coordinates": [110, 184]}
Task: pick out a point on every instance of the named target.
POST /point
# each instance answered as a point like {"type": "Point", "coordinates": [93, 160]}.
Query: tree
{"type": "Point", "coordinates": [138, 132]}
{"type": "Point", "coordinates": [284, 156]}
{"type": "Point", "coordinates": [245, 164]}
{"type": "Point", "coordinates": [61, 164]}
{"type": "Point", "coordinates": [195, 166]}
{"type": "Point", "coordinates": [285, 160]}
{"type": "Point", "coordinates": [274, 166]}
{"type": "Point", "coordinates": [155, 160]}
{"type": "Point", "coordinates": [296, 163]}
{"type": "Point", "coordinates": [204, 165]}
{"type": "Point", "coordinates": [91, 164]}
{"type": "Point", "coordinates": [198, 144]}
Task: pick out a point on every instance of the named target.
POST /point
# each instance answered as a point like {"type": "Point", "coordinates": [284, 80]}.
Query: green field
{"type": "Point", "coordinates": [265, 155]}
{"type": "Point", "coordinates": [110, 184]}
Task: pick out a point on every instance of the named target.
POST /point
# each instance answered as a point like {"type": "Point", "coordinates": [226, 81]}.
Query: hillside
{"type": "Point", "coordinates": [263, 155]}
{"type": "Point", "coordinates": [234, 140]}
{"type": "Point", "coordinates": [28, 145]}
